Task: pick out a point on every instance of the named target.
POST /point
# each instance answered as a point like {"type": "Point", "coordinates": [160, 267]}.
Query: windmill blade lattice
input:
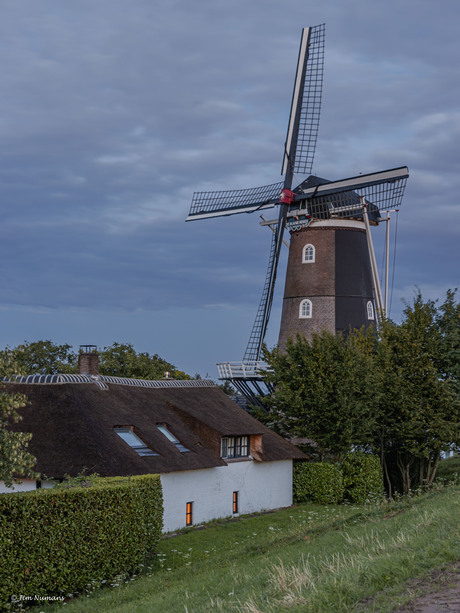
{"type": "Point", "coordinates": [303, 124]}
{"type": "Point", "coordinates": [381, 191]}
{"type": "Point", "coordinates": [259, 327]}
{"type": "Point", "coordinates": [230, 202]}
{"type": "Point", "coordinates": [298, 158]}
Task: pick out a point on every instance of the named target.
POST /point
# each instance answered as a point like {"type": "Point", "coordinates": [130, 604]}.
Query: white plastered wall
{"type": "Point", "coordinates": [260, 486]}
{"type": "Point", "coordinates": [25, 485]}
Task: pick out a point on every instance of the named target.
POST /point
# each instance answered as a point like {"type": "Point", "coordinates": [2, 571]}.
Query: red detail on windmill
{"type": "Point", "coordinates": [286, 196]}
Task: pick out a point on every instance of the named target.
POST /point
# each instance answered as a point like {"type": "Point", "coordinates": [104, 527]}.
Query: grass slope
{"type": "Point", "coordinates": [308, 558]}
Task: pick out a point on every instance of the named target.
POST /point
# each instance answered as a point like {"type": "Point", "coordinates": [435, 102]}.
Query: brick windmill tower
{"type": "Point", "coordinates": [331, 277]}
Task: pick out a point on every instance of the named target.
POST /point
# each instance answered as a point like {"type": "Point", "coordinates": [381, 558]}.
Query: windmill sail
{"type": "Point", "coordinates": [259, 327]}
{"type": "Point", "coordinates": [229, 202]}
{"type": "Point", "coordinates": [298, 157]}
{"type": "Point", "coordinates": [303, 124]}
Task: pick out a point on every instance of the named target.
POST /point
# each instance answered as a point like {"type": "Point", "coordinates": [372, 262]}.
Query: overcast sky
{"type": "Point", "coordinates": [113, 112]}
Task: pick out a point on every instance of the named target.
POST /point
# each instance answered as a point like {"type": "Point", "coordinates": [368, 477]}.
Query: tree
{"type": "Point", "coordinates": [396, 393]}
{"type": "Point", "coordinates": [322, 391]}
{"type": "Point", "coordinates": [416, 398]}
{"type": "Point", "coordinates": [118, 360]}
{"type": "Point", "coordinates": [122, 360]}
{"type": "Point", "coordinates": [43, 358]}
{"type": "Point", "coordinates": [448, 320]}
{"type": "Point", "coordinates": [15, 460]}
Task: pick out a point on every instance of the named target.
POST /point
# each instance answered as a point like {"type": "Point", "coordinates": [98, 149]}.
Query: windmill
{"type": "Point", "coordinates": [331, 278]}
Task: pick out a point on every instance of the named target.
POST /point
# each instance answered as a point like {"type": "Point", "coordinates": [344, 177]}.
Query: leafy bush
{"type": "Point", "coordinates": [319, 482]}
{"type": "Point", "coordinates": [449, 469]}
{"type": "Point", "coordinates": [57, 541]}
{"type": "Point", "coordinates": [362, 477]}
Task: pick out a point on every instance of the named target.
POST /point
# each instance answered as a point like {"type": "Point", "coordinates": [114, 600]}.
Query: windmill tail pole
{"type": "Point", "coordinates": [387, 259]}
{"type": "Point", "coordinates": [375, 275]}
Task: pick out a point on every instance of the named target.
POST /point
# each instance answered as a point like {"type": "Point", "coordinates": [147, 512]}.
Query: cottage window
{"type": "Point", "coordinates": [170, 436]}
{"type": "Point", "coordinates": [235, 502]}
{"type": "Point", "coordinates": [308, 254]}
{"type": "Point", "coordinates": [305, 309]}
{"type": "Point", "coordinates": [127, 434]}
{"type": "Point", "coordinates": [235, 446]}
{"type": "Point", "coordinates": [189, 514]}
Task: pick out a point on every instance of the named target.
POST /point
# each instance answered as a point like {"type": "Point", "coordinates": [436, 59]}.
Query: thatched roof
{"type": "Point", "coordinates": [73, 423]}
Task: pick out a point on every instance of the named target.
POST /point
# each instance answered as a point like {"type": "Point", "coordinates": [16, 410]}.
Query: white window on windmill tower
{"type": "Point", "coordinates": [308, 254]}
{"type": "Point", "coordinates": [370, 310]}
{"type": "Point", "coordinates": [305, 309]}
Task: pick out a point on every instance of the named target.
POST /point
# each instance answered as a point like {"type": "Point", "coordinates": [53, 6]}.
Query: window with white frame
{"type": "Point", "coordinates": [308, 254]}
{"type": "Point", "coordinates": [305, 309]}
{"type": "Point", "coordinates": [234, 447]}
{"type": "Point", "coordinates": [170, 436]}
{"type": "Point", "coordinates": [127, 434]}
{"type": "Point", "coordinates": [370, 310]}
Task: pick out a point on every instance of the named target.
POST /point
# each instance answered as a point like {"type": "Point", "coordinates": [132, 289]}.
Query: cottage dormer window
{"type": "Point", "coordinates": [234, 447]}
{"type": "Point", "coordinates": [127, 434]}
{"type": "Point", "coordinates": [170, 436]}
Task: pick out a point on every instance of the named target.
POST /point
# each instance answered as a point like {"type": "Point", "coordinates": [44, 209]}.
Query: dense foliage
{"type": "Point", "coordinates": [418, 402]}
{"type": "Point", "coordinates": [122, 360]}
{"type": "Point", "coordinates": [118, 360]}
{"type": "Point", "coordinates": [319, 482]}
{"type": "Point", "coordinates": [57, 541]}
{"type": "Point", "coordinates": [322, 392]}
{"type": "Point", "coordinates": [362, 478]}
{"type": "Point", "coordinates": [357, 479]}
{"type": "Point", "coordinates": [395, 393]}
{"type": "Point", "coordinates": [14, 457]}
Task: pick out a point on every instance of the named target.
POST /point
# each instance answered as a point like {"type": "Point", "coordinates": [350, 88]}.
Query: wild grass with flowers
{"type": "Point", "coordinates": [308, 558]}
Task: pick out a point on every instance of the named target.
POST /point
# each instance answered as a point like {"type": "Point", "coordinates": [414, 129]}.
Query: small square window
{"type": "Point", "coordinates": [235, 502]}
{"type": "Point", "coordinates": [189, 514]}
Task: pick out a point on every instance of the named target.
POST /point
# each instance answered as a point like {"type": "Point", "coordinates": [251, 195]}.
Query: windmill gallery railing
{"type": "Point", "coordinates": [248, 378]}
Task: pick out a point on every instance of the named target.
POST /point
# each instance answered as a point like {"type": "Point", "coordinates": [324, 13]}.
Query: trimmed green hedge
{"type": "Point", "coordinates": [58, 541]}
{"type": "Point", "coordinates": [357, 479]}
{"type": "Point", "coordinates": [318, 482]}
{"type": "Point", "coordinates": [362, 478]}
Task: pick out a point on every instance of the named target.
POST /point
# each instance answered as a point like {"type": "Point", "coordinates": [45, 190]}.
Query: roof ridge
{"type": "Point", "coordinates": [102, 380]}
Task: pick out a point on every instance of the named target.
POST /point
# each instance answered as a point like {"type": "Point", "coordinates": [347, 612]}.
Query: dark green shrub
{"type": "Point", "coordinates": [449, 469]}
{"type": "Point", "coordinates": [362, 477]}
{"type": "Point", "coordinates": [319, 482]}
{"type": "Point", "coordinates": [57, 541]}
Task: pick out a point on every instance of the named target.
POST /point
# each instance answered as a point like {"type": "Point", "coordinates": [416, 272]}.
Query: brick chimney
{"type": "Point", "coordinates": [88, 360]}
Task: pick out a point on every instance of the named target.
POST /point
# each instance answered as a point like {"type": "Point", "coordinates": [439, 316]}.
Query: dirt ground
{"type": "Point", "coordinates": [440, 592]}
